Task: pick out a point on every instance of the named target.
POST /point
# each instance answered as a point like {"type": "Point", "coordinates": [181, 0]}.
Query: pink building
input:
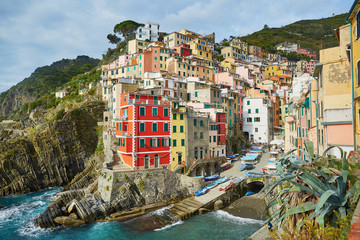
{"type": "Point", "coordinates": [308, 52]}
{"type": "Point", "coordinates": [310, 66]}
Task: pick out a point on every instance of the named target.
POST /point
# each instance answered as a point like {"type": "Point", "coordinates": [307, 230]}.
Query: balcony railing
{"type": "Point", "coordinates": [149, 102]}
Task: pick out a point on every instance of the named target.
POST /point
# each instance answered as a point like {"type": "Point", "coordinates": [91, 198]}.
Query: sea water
{"type": "Point", "coordinates": [16, 222]}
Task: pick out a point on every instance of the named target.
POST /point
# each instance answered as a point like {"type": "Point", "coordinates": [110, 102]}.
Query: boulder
{"type": "Point", "coordinates": [68, 222]}
{"type": "Point", "coordinates": [73, 216]}
{"type": "Point", "coordinates": [218, 205]}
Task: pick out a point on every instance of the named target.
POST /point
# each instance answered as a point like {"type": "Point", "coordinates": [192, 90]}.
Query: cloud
{"type": "Point", "coordinates": [39, 32]}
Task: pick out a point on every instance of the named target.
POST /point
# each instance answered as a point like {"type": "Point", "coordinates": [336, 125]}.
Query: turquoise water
{"type": "Point", "coordinates": [18, 212]}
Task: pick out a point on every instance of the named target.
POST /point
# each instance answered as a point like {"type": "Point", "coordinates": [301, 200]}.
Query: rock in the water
{"type": "Point", "coordinates": [218, 205]}
{"type": "Point", "coordinates": [68, 221]}
{"type": "Point", "coordinates": [203, 210]}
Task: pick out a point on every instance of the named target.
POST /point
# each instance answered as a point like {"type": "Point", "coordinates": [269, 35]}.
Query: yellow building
{"type": "Point", "coordinates": [353, 18]}
{"type": "Point", "coordinates": [175, 39]}
{"type": "Point", "coordinates": [200, 48]}
{"type": "Point", "coordinates": [229, 64]}
{"type": "Point", "coordinates": [136, 46]}
{"type": "Point", "coordinates": [178, 138]}
{"type": "Point", "coordinates": [189, 67]}
{"type": "Point", "coordinates": [277, 70]}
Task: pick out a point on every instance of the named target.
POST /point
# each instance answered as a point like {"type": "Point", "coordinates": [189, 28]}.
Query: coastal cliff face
{"type": "Point", "coordinates": [115, 196]}
{"type": "Point", "coordinates": [51, 157]}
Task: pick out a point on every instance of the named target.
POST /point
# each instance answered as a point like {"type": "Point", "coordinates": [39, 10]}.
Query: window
{"type": "Point", "coordinates": [174, 129]}
{"type": "Point", "coordinates": [182, 142]}
{"type": "Point", "coordinates": [358, 65]}
{"type": "Point", "coordinates": [166, 127]}
{"type": "Point", "coordinates": [142, 142]}
{"type": "Point", "coordinates": [358, 26]}
{"type": "Point", "coordinates": [154, 127]}
{"type": "Point", "coordinates": [181, 116]}
{"type": "Point", "coordinates": [195, 135]}
{"type": "Point", "coordinates": [196, 94]}
{"type": "Point", "coordinates": [142, 111]}
{"type": "Point", "coordinates": [256, 129]}
{"type": "Point", "coordinates": [174, 142]}
{"type": "Point", "coordinates": [154, 111]}
{"type": "Point", "coordinates": [249, 110]}
{"type": "Point", "coordinates": [248, 103]}
{"type": "Point", "coordinates": [209, 138]}
{"type": "Point", "coordinates": [249, 119]}
{"type": "Point", "coordinates": [201, 123]}
{"type": "Point", "coordinates": [195, 122]}
{"type": "Point", "coordinates": [257, 119]}
{"type": "Point", "coordinates": [214, 138]}
{"type": "Point", "coordinates": [257, 110]}
{"type": "Point", "coordinates": [174, 116]}
{"type": "Point", "coordinates": [142, 127]}
{"type": "Point", "coordinates": [181, 128]}
{"type": "Point", "coordinates": [166, 112]}
{"type": "Point", "coordinates": [201, 135]}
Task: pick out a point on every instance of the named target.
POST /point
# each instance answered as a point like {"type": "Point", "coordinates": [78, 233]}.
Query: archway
{"type": "Point", "coordinates": [156, 161]}
{"type": "Point", "coordinates": [106, 119]}
{"type": "Point", "coordinates": [217, 167]}
{"type": "Point", "coordinates": [146, 161]}
{"type": "Point", "coordinates": [198, 171]}
{"type": "Point", "coordinates": [207, 170]}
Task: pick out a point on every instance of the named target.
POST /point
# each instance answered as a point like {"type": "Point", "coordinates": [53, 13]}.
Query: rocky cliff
{"type": "Point", "coordinates": [50, 157]}
{"type": "Point", "coordinates": [115, 196]}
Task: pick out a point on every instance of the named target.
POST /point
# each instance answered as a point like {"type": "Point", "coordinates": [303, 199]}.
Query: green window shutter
{"type": "Point", "coordinates": [182, 142]}
{"type": "Point", "coordinates": [154, 127]}
{"type": "Point", "coordinates": [194, 122]}
{"type": "Point", "coordinates": [142, 143]}
{"type": "Point", "coordinates": [166, 112]}
{"type": "Point", "coordinates": [142, 127]}
{"type": "Point", "coordinates": [174, 143]}
{"type": "Point", "coordinates": [201, 123]}
{"type": "Point", "coordinates": [166, 127]}
{"type": "Point", "coordinates": [119, 142]}
{"type": "Point", "coordinates": [163, 142]}
{"type": "Point", "coordinates": [142, 111]}
{"type": "Point", "coordinates": [174, 129]}
{"type": "Point", "coordinates": [181, 116]}
{"type": "Point", "coordinates": [257, 110]}
{"type": "Point", "coordinates": [174, 116]}
{"type": "Point", "coordinates": [151, 142]}
{"type": "Point", "coordinates": [181, 128]}
{"type": "Point", "coordinates": [248, 102]}
{"type": "Point", "coordinates": [158, 142]}
{"type": "Point", "coordinates": [249, 110]}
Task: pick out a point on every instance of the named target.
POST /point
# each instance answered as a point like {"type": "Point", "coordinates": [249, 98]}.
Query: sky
{"type": "Point", "coordinates": [34, 33]}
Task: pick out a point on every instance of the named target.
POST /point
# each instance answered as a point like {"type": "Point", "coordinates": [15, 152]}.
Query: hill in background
{"type": "Point", "coordinates": [305, 32]}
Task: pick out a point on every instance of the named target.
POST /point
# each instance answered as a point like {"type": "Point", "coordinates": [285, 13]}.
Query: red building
{"type": "Point", "coordinates": [143, 131]}
{"type": "Point", "coordinates": [221, 122]}
{"type": "Point", "coordinates": [184, 50]}
{"type": "Point", "coordinates": [307, 52]}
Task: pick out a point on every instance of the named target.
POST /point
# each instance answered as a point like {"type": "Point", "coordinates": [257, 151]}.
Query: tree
{"type": "Point", "coordinates": [126, 28]}
{"type": "Point", "coordinates": [266, 26]}
{"type": "Point", "coordinates": [113, 38]}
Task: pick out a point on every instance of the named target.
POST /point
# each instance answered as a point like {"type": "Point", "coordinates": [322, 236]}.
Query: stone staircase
{"type": "Point", "coordinates": [184, 209]}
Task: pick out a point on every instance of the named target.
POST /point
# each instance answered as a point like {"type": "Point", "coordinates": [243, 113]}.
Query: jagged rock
{"type": "Point", "coordinates": [73, 216]}
{"type": "Point", "coordinates": [71, 207]}
{"type": "Point", "coordinates": [54, 156]}
{"type": "Point", "coordinates": [68, 221]}
{"type": "Point", "coordinates": [218, 205]}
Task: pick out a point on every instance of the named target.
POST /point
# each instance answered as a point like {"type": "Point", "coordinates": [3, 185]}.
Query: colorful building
{"type": "Point", "coordinates": [308, 52]}
{"type": "Point", "coordinates": [178, 137]}
{"type": "Point", "coordinates": [200, 49]}
{"type": "Point", "coordinates": [142, 129]}
{"type": "Point", "coordinates": [353, 18]}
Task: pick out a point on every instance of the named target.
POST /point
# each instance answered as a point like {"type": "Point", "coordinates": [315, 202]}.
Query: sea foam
{"type": "Point", "coordinates": [225, 216]}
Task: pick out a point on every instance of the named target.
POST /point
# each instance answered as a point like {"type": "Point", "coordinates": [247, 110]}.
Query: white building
{"type": "Point", "coordinates": [258, 120]}
{"type": "Point", "coordinates": [61, 94]}
{"type": "Point", "coordinates": [150, 31]}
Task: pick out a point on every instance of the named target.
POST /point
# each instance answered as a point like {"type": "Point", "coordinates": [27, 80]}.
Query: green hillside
{"type": "Point", "coordinates": [44, 81]}
{"type": "Point", "coordinates": [306, 32]}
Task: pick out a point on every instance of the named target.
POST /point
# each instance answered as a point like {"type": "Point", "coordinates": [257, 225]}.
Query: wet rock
{"type": "Point", "coordinates": [68, 221]}
{"type": "Point", "coordinates": [203, 210]}
{"type": "Point", "coordinates": [73, 216]}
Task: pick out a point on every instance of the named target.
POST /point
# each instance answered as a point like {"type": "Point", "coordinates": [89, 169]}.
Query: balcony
{"type": "Point", "coordinates": [149, 102]}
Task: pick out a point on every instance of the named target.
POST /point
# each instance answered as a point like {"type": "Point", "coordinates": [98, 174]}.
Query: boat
{"type": "Point", "coordinates": [212, 185]}
{"type": "Point", "coordinates": [226, 186]}
{"type": "Point", "coordinates": [201, 192]}
{"type": "Point", "coordinates": [226, 166]}
{"type": "Point", "coordinates": [236, 154]}
{"type": "Point", "coordinates": [255, 174]}
{"type": "Point", "coordinates": [249, 193]}
{"type": "Point", "coordinates": [242, 167]}
{"type": "Point", "coordinates": [222, 180]}
{"type": "Point", "coordinates": [212, 178]}
{"type": "Point", "coordinates": [237, 180]}
{"type": "Point", "coordinates": [233, 160]}
{"type": "Point", "coordinates": [201, 177]}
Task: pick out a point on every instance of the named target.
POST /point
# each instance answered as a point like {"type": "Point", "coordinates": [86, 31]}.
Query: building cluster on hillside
{"type": "Point", "coordinates": [171, 103]}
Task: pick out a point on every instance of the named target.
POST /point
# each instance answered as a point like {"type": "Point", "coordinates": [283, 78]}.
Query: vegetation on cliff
{"type": "Point", "coordinates": [41, 85]}
{"type": "Point", "coordinates": [307, 33]}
